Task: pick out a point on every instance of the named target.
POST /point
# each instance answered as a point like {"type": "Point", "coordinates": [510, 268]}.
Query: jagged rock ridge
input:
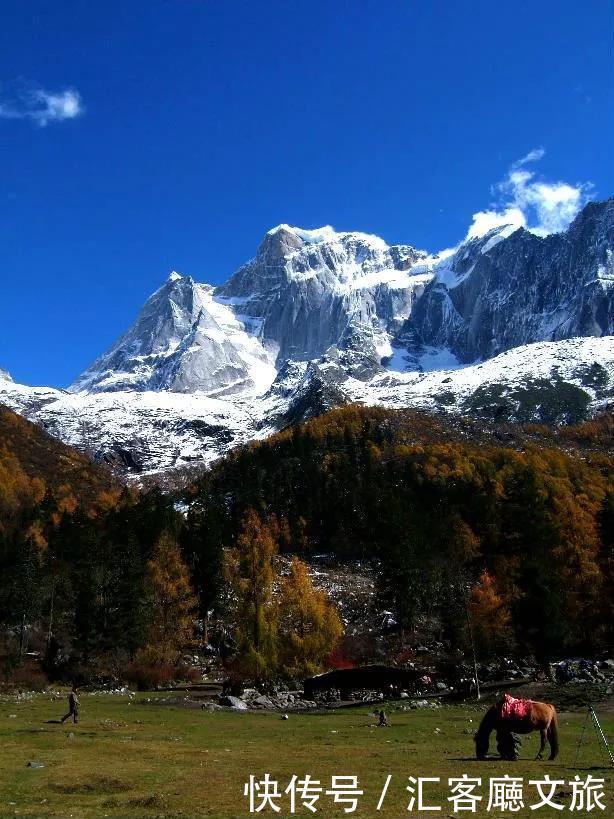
{"type": "Point", "coordinates": [502, 290]}
{"type": "Point", "coordinates": [306, 292]}
{"type": "Point", "coordinates": [509, 325]}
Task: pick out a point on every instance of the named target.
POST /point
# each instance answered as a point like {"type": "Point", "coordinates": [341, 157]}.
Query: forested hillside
{"type": "Point", "coordinates": [76, 547]}
{"type": "Point", "coordinates": [510, 532]}
{"type": "Point", "coordinates": [38, 455]}
{"type": "Point", "coordinates": [94, 584]}
{"type": "Point", "coordinates": [516, 527]}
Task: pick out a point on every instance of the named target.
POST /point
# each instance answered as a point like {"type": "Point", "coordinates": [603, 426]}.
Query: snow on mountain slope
{"type": "Point", "coordinates": [512, 288]}
{"type": "Point", "coordinates": [148, 432]}
{"type": "Point", "coordinates": [137, 431]}
{"type": "Point", "coordinates": [551, 381]}
{"type": "Point", "coordinates": [183, 340]}
{"type": "Point", "coordinates": [507, 325]}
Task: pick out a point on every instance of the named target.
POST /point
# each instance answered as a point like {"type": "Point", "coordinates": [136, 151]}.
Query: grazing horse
{"type": "Point", "coordinates": [510, 717]}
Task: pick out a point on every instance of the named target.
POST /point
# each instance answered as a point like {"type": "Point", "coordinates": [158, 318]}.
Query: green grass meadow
{"type": "Point", "coordinates": [131, 758]}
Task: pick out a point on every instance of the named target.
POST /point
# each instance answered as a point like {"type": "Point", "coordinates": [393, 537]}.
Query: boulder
{"type": "Point", "coordinates": [262, 702]}
{"type": "Point", "coordinates": [234, 702]}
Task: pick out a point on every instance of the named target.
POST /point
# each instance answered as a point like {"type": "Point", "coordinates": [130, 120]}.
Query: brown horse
{"type": "Point", "coordinates": [541, 716]}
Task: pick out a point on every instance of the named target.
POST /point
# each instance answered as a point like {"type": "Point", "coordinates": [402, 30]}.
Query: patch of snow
{"type": "Point", "coordinates": [328, 234]}
{"type": "Point", "coordinates": [399, 360]}
{"type": "Point", "coordinates": [438, 358]}
{"type": "Point", "coordinates": [394, 279]}
{"type": "Point", "coordinates": [312, 237]}
{"type": "Point", "coordinates": [497, 236]}
{"type": "Point", "coordinates": [605, 272]}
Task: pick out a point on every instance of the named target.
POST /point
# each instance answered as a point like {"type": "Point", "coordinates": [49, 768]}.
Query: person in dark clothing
{"type": "Point", "coordinates": [73, 706]}
{"type": "Point", "coordinates": [383, 722]}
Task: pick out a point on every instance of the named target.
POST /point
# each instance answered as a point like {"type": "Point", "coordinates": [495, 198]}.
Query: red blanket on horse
{"type": "Point", "coordinates": [512, 708]}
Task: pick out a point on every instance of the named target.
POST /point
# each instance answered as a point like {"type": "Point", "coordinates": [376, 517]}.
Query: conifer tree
{"type": "Point", "coordinates": [310, 626]}
{"type": "Point", "coordinates": [251, 575]}
{"type": "Point", "coordinates": [490, 616]}
{"type": "Point", "coordinates": [172, 602]}
{"type": "Point", "coordinates": [128, 619]}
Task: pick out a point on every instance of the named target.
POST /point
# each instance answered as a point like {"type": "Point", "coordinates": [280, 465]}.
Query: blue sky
{"type": "Point", "coordinates": [137, 137]}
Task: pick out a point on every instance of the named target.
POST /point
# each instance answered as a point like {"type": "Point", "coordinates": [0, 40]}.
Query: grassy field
{"type": "Point", "coordinates": [132, 758]}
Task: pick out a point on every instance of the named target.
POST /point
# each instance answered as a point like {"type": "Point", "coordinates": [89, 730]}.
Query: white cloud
{"type": "Point", "coordinates": [523, 200]}
{"type": "Point", "coordinates": [42, 107]}
{"type": "Point", "coordinates": [486, 220]}
{"type": "Point", "coordinates": [533, 156]}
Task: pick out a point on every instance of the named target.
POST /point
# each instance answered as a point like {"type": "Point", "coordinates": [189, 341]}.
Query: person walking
{"type": "Point", "coordinates": [73, 706]}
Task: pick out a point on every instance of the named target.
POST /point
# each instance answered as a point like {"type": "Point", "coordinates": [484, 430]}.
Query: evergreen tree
{"type": "Point", "coordinates": [172, 603]}
{"type": "Point", "coordinates": [250, 573]}
{"type": "Point", "coordinates": [128, 620]}
{"type": "Point", "coordinates": [309, 625]}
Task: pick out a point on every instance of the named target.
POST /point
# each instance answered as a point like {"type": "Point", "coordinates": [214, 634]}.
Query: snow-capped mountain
{"type": "Point", "coordinates": [511, 288]}
{"type": "Point", "coordinates": [142, 432]}
{"type": "Point", "coordinates": [304, 292]}
{"type": "Point", "coordinates": [184, 341]}
{"type": "Point", "coordinates": [308, 290]}
{"type": "Point", "coordinates": [509, 325]}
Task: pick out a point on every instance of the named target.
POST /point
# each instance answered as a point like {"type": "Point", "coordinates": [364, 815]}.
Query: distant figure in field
{"type": "Point", "coordinates": [383, 722]}
{"type": "Point", "coordinates": [73, 706]}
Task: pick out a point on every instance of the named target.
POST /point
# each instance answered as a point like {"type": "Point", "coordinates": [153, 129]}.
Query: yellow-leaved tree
{"type": "Point", "coordinates": [491, 619]}
{"type": "Point", "coordinates": [173, 602]}
{"type": "Point", "coordinates": [309, 624]}
{"type": "Point", "coordinates": [251, 575]}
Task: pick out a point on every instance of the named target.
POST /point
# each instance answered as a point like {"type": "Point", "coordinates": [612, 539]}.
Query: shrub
{"type": "Point", "coordinates": [187, 673]}
{"type": "Point", "coordinates": [147, 676]}
{"type": "Point", "coordinates": [29, 678]}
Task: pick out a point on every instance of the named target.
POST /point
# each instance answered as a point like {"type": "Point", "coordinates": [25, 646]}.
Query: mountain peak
{"type": "Point", "coordinates": [278, 243]}
{"type": "Point", "coordinates": [310, 237]}
{"type": "Point", "coordinates": [288, 234]}
{"type": "Point", "coordinates": [308, 290]}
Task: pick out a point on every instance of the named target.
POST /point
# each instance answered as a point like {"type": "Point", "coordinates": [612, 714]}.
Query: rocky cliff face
{"type": "Point", "coordinates": [183, 341]}
{"type": "Point", "coordinates": [502, 291]}
{"type": "Point", "coordinates": [508, 326]}
{"type": "Point", "coordinates": [313, 289]}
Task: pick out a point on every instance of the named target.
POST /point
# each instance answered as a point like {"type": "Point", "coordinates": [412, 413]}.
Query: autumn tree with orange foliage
{"type": "Point", "coordinates": [490, 617]}
{"type": "Point", "coordinates": [309, 625]}
{"type": "Point", "coordinates": [282, 624]}
{"type": "Point", "coordinates": [255, 613]}
{"type": "Point", "coordinates": [172, 602]}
